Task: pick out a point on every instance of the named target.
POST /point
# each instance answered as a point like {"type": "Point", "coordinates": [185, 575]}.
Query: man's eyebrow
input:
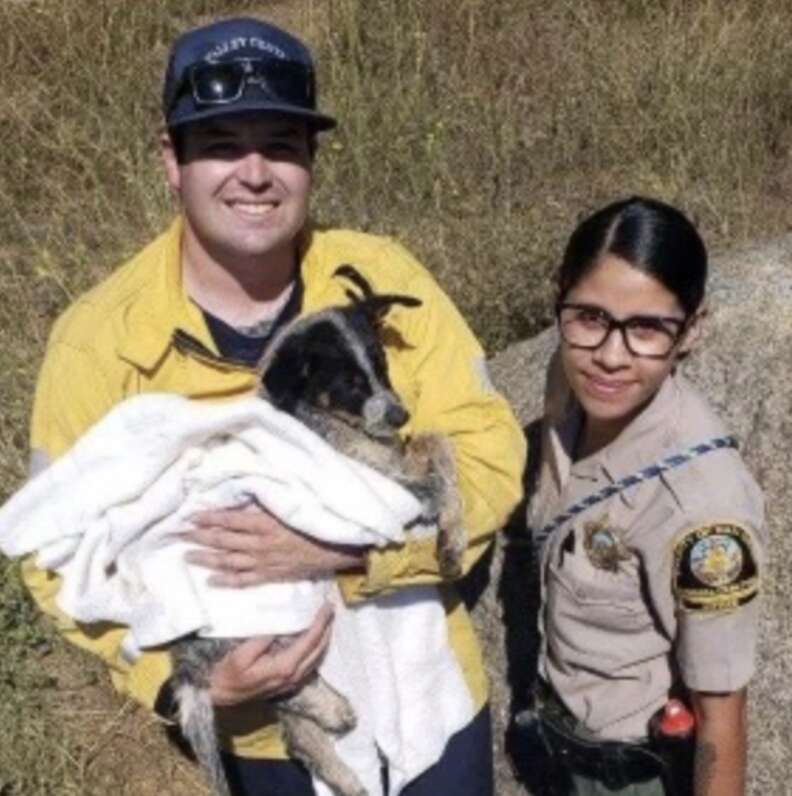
{"type": "Point", "coordinates": [286, 130]}
{"type": "Point", "coordinates": [215, 128]}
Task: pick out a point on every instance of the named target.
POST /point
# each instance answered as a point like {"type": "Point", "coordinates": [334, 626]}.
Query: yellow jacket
{"type": "Point", "coordinates": [121, 339]}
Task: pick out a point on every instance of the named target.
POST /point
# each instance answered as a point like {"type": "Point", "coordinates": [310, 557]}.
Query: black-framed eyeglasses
{"type": "Point", "coordinates": [225, 82]}
{"type": "Point", "coordinates": [588, 326]}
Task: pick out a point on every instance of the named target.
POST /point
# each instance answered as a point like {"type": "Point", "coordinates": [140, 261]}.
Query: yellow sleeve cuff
{"type": "Point", "coordinates": [145, 677]}
{"type": "Point", "coordinates": [413, 563]}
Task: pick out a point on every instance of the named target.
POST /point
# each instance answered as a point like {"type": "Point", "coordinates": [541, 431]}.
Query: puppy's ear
{"type": "Point", "coordinates": [356, 278]}
{"type": "Point", "coordinates": [374, 306]}
{"type": "Point", "coordinates": [377, 307]}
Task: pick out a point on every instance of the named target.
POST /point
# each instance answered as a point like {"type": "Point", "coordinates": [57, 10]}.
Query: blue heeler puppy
{"type": "Point", "coordinates": [329, 370]}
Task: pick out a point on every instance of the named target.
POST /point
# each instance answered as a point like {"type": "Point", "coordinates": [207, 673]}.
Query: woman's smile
{"type": "Point", "coordinates": [604, 388]}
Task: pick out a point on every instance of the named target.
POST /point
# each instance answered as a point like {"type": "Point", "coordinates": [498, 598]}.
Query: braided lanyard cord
{"type": "Point", "coordinates": [646, 474]}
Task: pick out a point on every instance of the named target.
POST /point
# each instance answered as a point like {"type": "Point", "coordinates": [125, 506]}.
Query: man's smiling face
{"type": "Point", "coordinates": [244, 183]}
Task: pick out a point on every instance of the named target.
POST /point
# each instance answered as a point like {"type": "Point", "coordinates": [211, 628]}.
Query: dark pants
{"type": "Point", "coordinates": [465, 769]}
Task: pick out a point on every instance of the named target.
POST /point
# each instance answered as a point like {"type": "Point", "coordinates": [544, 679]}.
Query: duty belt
{"type": "Point", "coordinates": [616, 764]}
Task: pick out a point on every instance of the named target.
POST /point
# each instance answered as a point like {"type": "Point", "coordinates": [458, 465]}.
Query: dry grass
{"type": "Point", "coordinates": [477, 132]}
{"type": "Point", "coordinates": [505, 121]}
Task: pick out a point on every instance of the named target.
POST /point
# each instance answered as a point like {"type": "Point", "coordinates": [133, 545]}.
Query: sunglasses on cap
{"type": "Point", "coordinates": [225, 82]}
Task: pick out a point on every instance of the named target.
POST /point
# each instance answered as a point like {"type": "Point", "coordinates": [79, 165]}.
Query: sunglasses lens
{"type": "Point", "coordinates": [218, 83]}
{"type": "Point", "coordinates": [287, 81]}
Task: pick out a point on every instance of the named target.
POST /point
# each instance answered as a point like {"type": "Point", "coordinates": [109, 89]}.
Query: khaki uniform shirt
{"type": "Point", "coordinates": [138, 332]}
{"type": "Point", "coordinates": [655, 584]}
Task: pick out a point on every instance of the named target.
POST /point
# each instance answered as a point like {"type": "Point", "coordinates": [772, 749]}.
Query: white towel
{"type": "Point", "coordinates": [106, 516]}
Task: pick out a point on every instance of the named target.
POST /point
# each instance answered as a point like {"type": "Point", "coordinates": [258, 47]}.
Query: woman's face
{"type": "Point", "coordinates": [612, 384]}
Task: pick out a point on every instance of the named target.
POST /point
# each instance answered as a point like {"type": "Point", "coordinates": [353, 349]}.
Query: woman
{"type": "Point", "coordinates": [649, 573]}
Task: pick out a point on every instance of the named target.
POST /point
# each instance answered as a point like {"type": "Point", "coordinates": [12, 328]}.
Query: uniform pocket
{"type": "Point", "coordinates": [598, 597]}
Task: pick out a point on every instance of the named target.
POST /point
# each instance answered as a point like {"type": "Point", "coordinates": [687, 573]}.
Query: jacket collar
{"type": "Point", "coordinates": [644, 441]}
{"type": "Point", "coordinates": [150, 323]}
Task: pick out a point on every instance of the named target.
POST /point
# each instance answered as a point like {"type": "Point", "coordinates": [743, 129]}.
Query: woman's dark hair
{"type": "Point", "coordinates": [651, 236]}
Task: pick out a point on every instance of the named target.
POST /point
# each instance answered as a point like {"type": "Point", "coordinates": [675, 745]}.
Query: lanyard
{"type": "Point", "coordinates": [646, 474]}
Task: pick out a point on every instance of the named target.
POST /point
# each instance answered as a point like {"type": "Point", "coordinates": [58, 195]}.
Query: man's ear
{"type": "Point", "coordinates": [170, 162]}
{"type": "Point", "coordinates": [692, 333]}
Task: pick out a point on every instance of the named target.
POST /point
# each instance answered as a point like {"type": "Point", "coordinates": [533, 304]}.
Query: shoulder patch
{"type": "Point", "coordinates": [715, 569]}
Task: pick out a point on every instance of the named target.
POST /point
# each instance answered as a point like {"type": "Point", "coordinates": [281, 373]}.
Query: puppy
{"type": "Point", "coordinates": [329, 370]}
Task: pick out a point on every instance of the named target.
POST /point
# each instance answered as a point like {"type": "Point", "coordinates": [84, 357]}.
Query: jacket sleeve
{"type": "Point", "coordinates": [438, 368]}
{"type": "Point", "coordinates": [71, 395]}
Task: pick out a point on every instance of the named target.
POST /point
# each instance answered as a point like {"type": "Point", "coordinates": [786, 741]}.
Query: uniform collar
{"type": "Point", "coordinates": [643, 442]}
{"type": "Point", "coordinates": [564, 420]}
{"type": "Point", "coordinates": [648, 437]}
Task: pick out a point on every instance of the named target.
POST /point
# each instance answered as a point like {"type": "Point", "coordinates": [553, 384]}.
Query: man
{"type": "Point", "coordinates": [194, 311]}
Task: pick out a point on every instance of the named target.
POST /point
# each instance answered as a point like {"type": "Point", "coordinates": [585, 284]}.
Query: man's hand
{"type": "Point", "coordinates": [258, 667]}
{"type": "Point", "coordinates": [248, 546]}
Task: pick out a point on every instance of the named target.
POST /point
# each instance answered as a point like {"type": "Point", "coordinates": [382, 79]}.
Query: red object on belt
{"type": "Point", "coordinates": [676, 721]}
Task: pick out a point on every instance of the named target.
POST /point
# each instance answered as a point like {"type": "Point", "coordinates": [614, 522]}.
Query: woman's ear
{"type": "Point", "coordinates": [692, 332]}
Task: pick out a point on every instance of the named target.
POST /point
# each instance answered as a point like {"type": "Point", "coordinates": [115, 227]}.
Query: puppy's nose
{"type": "Point", "coordinates": [396, 416]}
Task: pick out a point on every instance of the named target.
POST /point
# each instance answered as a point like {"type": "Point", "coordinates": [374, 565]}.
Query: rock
{"type": "Point", "coordinates": [744, 366]}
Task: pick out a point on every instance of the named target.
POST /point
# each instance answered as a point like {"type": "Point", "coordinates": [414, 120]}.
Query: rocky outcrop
{"type": "Point", "coordinates": [744, 366]}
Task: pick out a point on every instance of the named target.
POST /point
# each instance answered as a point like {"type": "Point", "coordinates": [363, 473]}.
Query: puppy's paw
{"type": "Point", "coordinates": [421, 452]}
{"type": "Point", "coordinates": [430, 457]}
{"type": "Point", "coordinates": [335, 713]}
{"type": "Point", "coordinates": [342, 718]}
{"type": "Point", "coordinates": [451, 541]}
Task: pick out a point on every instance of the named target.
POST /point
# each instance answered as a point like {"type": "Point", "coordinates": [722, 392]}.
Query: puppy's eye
{"type": "Point", "coordinates": [360, 382]}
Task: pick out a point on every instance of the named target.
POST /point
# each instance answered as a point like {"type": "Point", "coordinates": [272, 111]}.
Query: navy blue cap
{"type": "Point", "coordinates": [233, 40]}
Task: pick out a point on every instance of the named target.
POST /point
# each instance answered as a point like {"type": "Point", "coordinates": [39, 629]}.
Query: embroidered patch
{"type": "Point", "coordinates": [604, 546]}
{"type": "Point", "coordinates": [714, 569]}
